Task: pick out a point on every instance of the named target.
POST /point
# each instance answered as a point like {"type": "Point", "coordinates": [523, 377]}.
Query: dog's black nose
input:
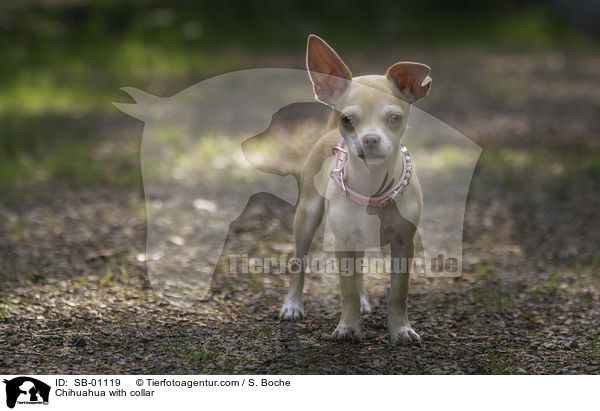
{"type": "Point", "coordinates": [371, 140]}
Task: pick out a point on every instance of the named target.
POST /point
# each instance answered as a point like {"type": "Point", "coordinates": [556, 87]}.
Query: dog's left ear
{"type": "Point", "coordinates": [412, 80]}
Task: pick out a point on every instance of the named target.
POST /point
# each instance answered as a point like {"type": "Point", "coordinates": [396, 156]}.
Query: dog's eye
{"type": "Point", "coordinates": [395, 118]}
{"type": "Point", "coordinates": [348, 120]}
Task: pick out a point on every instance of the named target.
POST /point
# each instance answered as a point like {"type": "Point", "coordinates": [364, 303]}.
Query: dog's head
{"type": "Point", "coordinates": [371, 111]}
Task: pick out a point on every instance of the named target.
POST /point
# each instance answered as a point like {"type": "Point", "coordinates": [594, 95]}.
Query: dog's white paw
{"type": "Point", "coordinates": [291, 311]}
{"type": "Point", "coordinates": [347, 332]}
{"type": "Point", "coordinates": [365, 307]}
{"type": "Point", "coordinates": [404, 335]}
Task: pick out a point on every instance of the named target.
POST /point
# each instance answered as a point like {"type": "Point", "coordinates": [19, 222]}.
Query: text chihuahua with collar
{"type": "Point", "coordinates": [370, 190]}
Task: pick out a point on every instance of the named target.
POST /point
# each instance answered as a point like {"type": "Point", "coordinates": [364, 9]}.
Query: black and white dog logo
{"type": "Point", "coordinates": [26, 390]}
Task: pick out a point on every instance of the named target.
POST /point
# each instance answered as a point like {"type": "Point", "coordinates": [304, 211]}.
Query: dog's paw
{"type": "Point", "coordinates": [347, 332]}
{"type": "Point", "coordinates": [365, 307]}
{"type": "Point", "coordinates": [404, 336]}
{"type": "Point", "coordinates": [291, 311]}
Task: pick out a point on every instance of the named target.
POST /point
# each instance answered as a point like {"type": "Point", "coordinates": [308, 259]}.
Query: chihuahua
{"type": "Point", "coordinates": [361, 176]}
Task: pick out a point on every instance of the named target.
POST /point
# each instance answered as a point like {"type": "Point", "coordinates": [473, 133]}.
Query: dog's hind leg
{"type": "Point", "coordinates": [365, 307]}
{"type": "Point", "coordinates": [308, 216]}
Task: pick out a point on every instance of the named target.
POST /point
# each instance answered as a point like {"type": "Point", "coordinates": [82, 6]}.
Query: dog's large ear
{"type": "Point", "coordinates": [412, 80]}
{"type": "Point", "coordinates": [328, 73]}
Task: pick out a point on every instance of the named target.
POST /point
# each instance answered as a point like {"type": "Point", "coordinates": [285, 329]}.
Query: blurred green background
{"type": "Point", "coordinates": [63, 62]}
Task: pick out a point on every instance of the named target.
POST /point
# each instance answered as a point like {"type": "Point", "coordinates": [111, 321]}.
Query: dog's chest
{"type": "Point", "coordinates": [359, 227]}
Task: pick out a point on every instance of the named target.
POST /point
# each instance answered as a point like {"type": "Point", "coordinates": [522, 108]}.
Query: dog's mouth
{"type": "Point", "coordinates": [369, 156]}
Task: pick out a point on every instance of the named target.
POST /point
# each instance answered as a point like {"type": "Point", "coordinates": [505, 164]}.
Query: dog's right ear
{"type": "Point", "coordinates": [328, 73]}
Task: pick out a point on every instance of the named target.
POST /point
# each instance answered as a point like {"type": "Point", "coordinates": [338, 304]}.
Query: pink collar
{"type": "Point", "coordinates": [339, 174]}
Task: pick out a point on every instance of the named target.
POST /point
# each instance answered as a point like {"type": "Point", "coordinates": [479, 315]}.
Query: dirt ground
{"type": "Point", "coordinates": [77, 299]}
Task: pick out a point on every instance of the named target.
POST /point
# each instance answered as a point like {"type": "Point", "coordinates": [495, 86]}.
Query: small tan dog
{"type": "Point", "coordinates": [371, 194]}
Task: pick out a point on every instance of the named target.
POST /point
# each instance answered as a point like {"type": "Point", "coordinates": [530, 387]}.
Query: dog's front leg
{"type": "Point", "coordinates": [349, 327]}
{"type": "Point", "coordinates": [307, 218]}
{"type": "Point", "coordinates": [400, 329]}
